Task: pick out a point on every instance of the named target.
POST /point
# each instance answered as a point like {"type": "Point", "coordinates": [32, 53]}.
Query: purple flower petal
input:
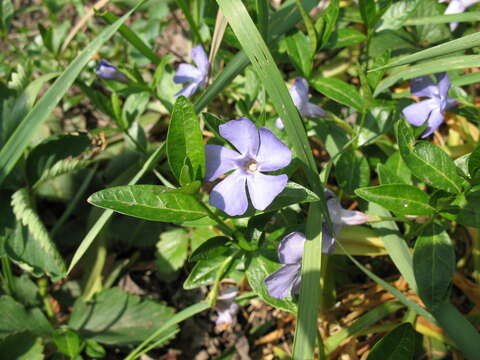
{"type": "Point", "coordinates": [281, 281]}
{"type": "Point", "coordinates": [219, 160]}
{"type": "Point", "coordinates": [419, 112]}
{"type": "Point", "coordinates": [107, 71]}
{"type": "Point", "coordinates": [186, 72]}
{"type": "Point", "coordinates": [264, 188]}
{"type": "Point", "coordinates": [230, 194]}
{"type": "Point", "coordinates": [290, 250]}
{"type": "Point", "coordinates": [349, 217]}
{"type": "Point", "coordinates": [312, 110]}
{"type": "Point", "coordinates": [243, 134]}
{"type": "Point", "coordinates": [272, 153]}
{"type": "Point", "coordinates": [434, 121]}
{"type": "Point", "coordinates": [450, 103]}
{"type": "Point", "coordinates": [328, 238]}
{"type": "Point", "coordinates": [443, 84]}
{"type": "Point", "coordinates": [200, 58]}
{"type": "Point", "coordinates": [423, 86]}
{"type": "Point", "coordinates": [279, 124]}
{"type": "Point", "coordinates": [188, 90]}
{"type": "Point", "coordinates": [299, 92]}
{"type": "Point", "coordinates": [226, 311]}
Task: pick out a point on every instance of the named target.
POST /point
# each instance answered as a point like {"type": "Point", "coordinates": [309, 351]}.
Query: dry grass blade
{"type": "Point", "coordinates": [78, 26]}
{"type": "Point", "coordinates": [220, 27]}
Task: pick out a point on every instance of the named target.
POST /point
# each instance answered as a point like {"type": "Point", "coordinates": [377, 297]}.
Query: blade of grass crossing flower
{"type": "Point", "coordinates": [463, 43]}
{"type": "Point", "coordinates": [264, 64]}
{"type": "Point", "coordinates": [442, 19]}
{"type": "Point", "coordinates": [133, 39]}
{"type": "Point", "coordinates": [107, 214]}
{"type": "Point", "coordinates": [18, 142]}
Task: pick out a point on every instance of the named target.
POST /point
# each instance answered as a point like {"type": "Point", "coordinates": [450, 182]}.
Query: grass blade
{"type": "Point", "coordinates": [18, 142]}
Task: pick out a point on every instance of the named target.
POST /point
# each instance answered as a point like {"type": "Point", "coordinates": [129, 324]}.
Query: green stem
{"type": "Point", "coordinates": [43, 291]}
{"type": "Point", "coordinates": [8, 280]}
{"type": "Point", "coordinates": [93, 282]}
{"type": "Point", "coordinates": [212, 296]}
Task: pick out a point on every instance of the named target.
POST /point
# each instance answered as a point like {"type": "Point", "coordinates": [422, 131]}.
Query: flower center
{"type": "Point", "coordinates": [251, 166]}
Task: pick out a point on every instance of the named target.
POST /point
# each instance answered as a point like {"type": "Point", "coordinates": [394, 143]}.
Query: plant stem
{"type": "Point", "coordinates": [8, 280]}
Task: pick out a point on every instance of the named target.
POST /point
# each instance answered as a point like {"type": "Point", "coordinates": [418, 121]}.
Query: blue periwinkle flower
{"type": "Point", "coordinates": [258, 151]}
{"type": "Point", "coordinates": [457, 7]}
{"type": "Point", "coordinates": [431, 110]}
{"type": "Point", "coordinates": [299, 93]}
{"type": "Point", "coordinates": [290, 251]}
{"type": "Point", "coordinates": [226, 308]}
{"type": "Point", "coordinates": [195, 76]}
{"type": "Point", "coordinates": [107, 71]}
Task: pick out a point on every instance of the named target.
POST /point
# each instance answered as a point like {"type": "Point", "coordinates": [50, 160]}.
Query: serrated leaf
{"type": "Point", "coordinates": [402, 199]}
{"type": "Point", "coordinates": [399, 344]}
{"type": "Point", "coordinates": [117, 317]}
{"type": "Point", "coordinates": [339, 91]}
{"type": "Point", "coordinates": [184, 140]}
{"type": "Point", "coordinates": [150, 202]}
{"type": "Point", "coordinates": [433, 265]}
{"type": "Point", "coordinates": [352, 171]}
{"type": "Point", "coordinates": [50, 259]}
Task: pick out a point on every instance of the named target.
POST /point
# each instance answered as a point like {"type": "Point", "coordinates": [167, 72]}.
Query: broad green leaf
{"type": "Point", "coordinates": [362, 323]}
{"type": "Point", "coordinates": [116, 317]}
{"type": "Point", "coordinates": [352, 171]}
{"type": "Point", "coordinates": [398, 344]}
{"type": "Point", "coordinates": [258, 269]}
{"type": "Point", "coordinates": [396, 15]}
{"type": "Point", "coordinates": [184, 141]}
{"type": "Point", "coordinates": [22, 346]}
{"type": "Point", "coordinates": [150, 202]}
{"type": "Point", "coordinates": [368, 11]}
{"type": "Point", "coordinates": [18, 142]}
{"type": "Point", "coordinates": [402, 199]}
{"type": "Point", "coordinates": [394, 171]}
{"type": "Point", "coordinates": [427, 68]}
{"type": "Point", "coordinates": [345, 37]}
{"type": "Point", "coordinates": [210, 249]}
{"type": "Point", "coordinates": [32, 243]}
{"type": "Point", "coordinates": [299, 52]}
{"type": "Point", "coordinates": [94, 349]}
{"type": "Point", "coordinates": [133, 108]}
{"type": "Point", "coordinates": [433, 264]}
{"type": "Point", "coordinates": [68, 343]}
{"type": "Point", "coordinates": [53, 149]}
{"type": "Point", "coordinates": [468, 213]}
{"type": "Point", "coordinates": [204, 271]}
{"type": "Point", "coordinates": [172, 251]}
{"type": "Point", "coordinates": [339, 91]}
{"type": "Point", "coordinates": [329, 17]}
{"type": "Point", "coordinates": [427, 161]}
{"type": "Point", "coordinates": [431, 33]}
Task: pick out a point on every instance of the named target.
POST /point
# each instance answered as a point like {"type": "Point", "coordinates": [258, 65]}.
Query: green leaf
{"type": "Point", "coordinates": [134, 107]}
{"type": "Point", "coordinates": [18, 142]}
{"type": "Point", "coordinates": [258, 269]}
{"type": "Point", "coordinates": [22, 346]}
{"type": "Point", "coordinates": [427, 161]}
{"type": "Point", "coordinates": [394, 171]}
{"type": "Point", "coordinates": [396, 15]}
{"type": "Point", "coordinates": [399, 344]}
{"type": "Point", "coordinates": [433, 264]}
{"type": "Point", "coordinates": [345, 37]}
{"type": "Point", "coordinates": [210, 249]}
{"type": "Point", "coordinates": [474, 162]}
{"type": "Point", "coordinates": [329, 17]}
{"type": "Point", "coordinates": [172, 251]}
{"type": "Point", "coordinates": [453, 46]}
{"type": "Point", "coordinates": [431, 33]}
{"type": "Point", "coordinates": [53, 149]}
{"type": "Point", "coordinates": [468, 213]}
{"type": "Point", "coordinates": [94, 349]}
{"type": "Point", "coordinates": [352, 171]}
{"type": "Point", "coordinates": [185, 141]}
{"type": "Point", "coordinates": [427, 68]}
{"type": "Point", "coordinates": [368, 11]}
{"type": "Point", "coordinates": [402, 199]}
{"type": "Point", "coordinates": [68, 343]}
{"type": "Point", "coordinates": [117, 317]}
{"type": "Point", "coordinates": [339, 91]}
{"type": "Point", "coordinates": [40, 252]}
{"type": "Point", "coordinates": [299, 52]}
{"type": "Point", "coordinates": [444, 19]}
{"type": "Point", "coordinates": [150, 202]}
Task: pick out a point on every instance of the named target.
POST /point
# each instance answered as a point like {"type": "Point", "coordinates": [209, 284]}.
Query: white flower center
{"type": "Point", "coordinates": [251, 166]}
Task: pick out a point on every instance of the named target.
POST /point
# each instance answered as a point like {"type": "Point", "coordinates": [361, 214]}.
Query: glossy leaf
{"type": "Point", "coordinates": [185, 141]}
{"type": "Point", "coordinates": [210, 249]}
{"type": "Point", "coordinates": [396, 15]}
{"type": "Point", "coordinates": [399, 344]}
{"type": "Point", "coordinates": [402, 199]}
{"type": "Point", "coordinates": [339, 91]}
{"type": "Point", "coordinates": [433, 264]}
{"type": "Point", "coordinates": [299, 51]}
{"type": "Point", "coordinates": [150, 202]}
{"type": "Point", "coordinates": [394, 171]}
